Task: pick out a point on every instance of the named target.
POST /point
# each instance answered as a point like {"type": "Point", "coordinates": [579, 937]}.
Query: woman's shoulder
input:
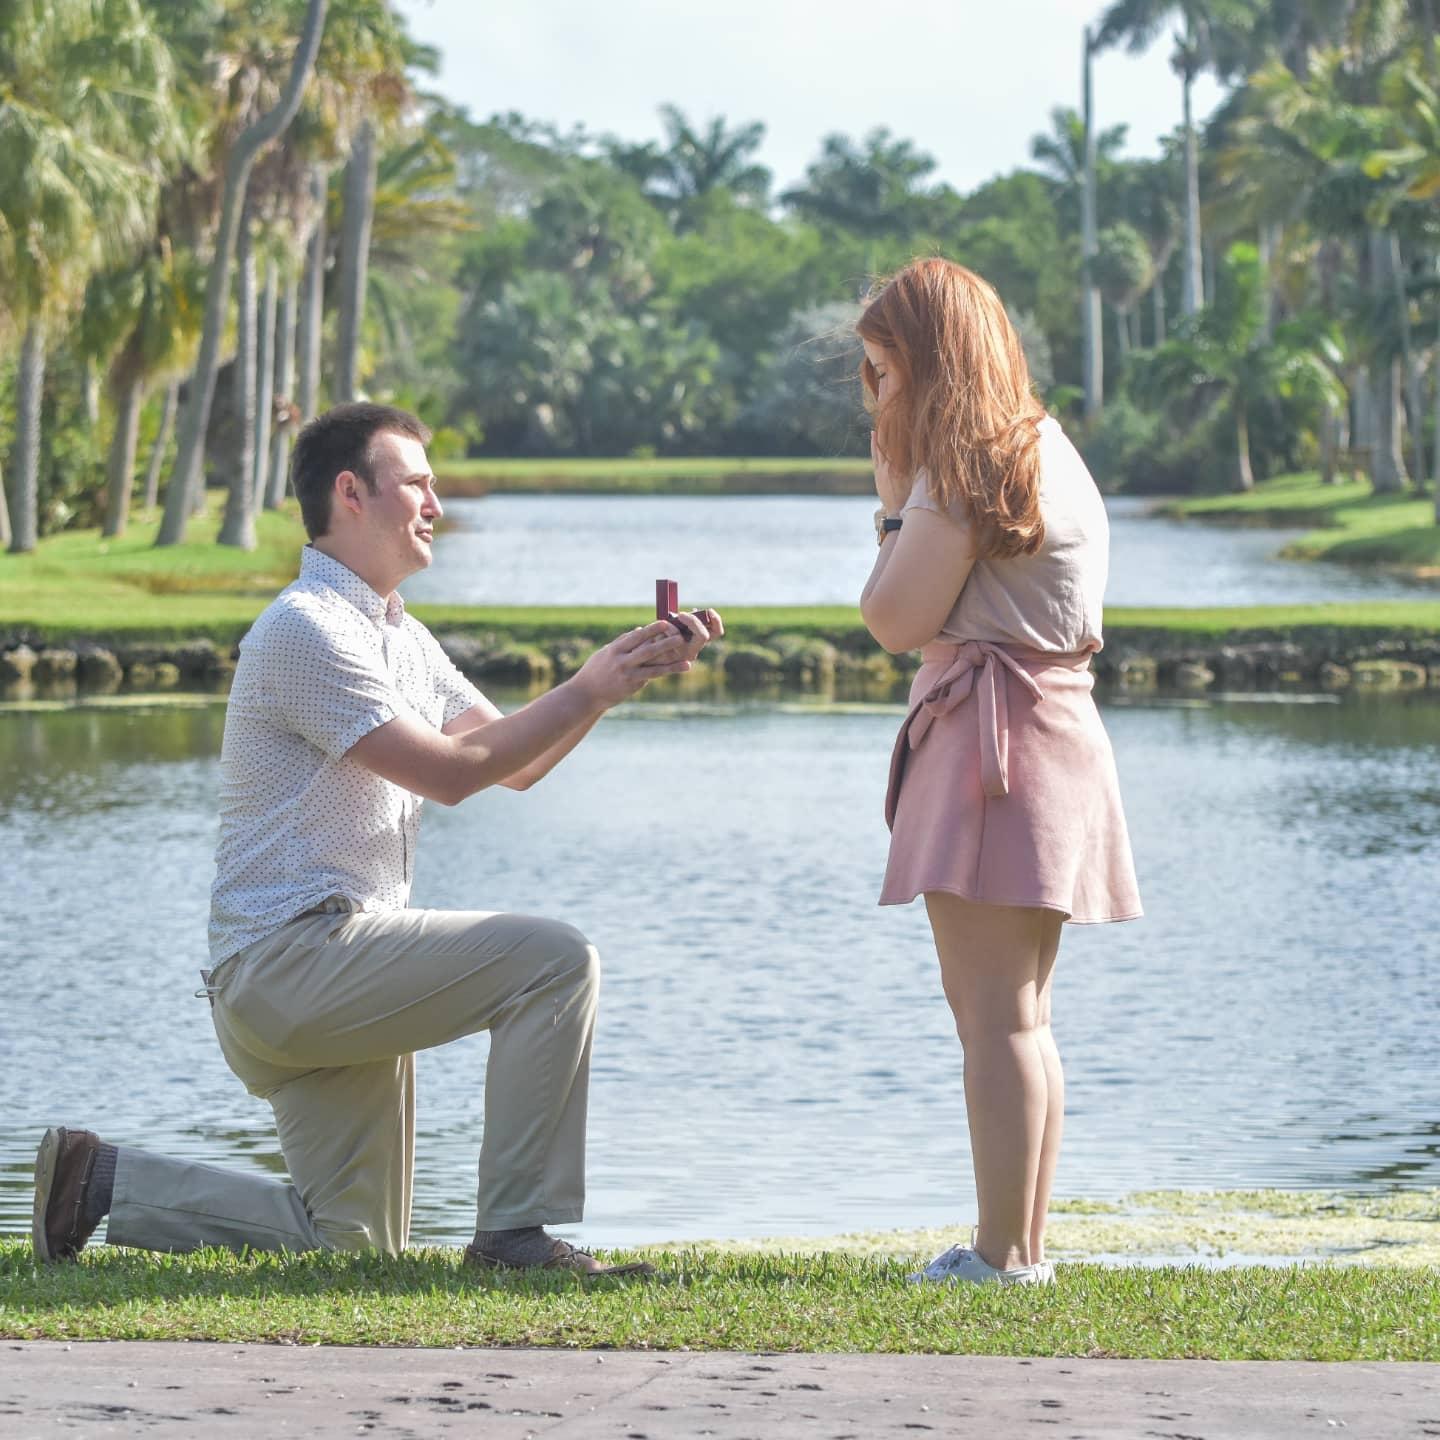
{"type": "Point", "coordinates": [1069, 495]}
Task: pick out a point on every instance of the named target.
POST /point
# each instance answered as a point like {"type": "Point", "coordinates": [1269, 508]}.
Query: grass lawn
{"type": "Point", "coordinates": [715, 1300]}
{"type": "Point", "coordinates": [78, 586]}
{"type": "Point", "coordinates": [842, 1293]}
{"type": "Point", "coordinates": [703, 475]}
{"type": "Point", "coordinates": [1351, 524]}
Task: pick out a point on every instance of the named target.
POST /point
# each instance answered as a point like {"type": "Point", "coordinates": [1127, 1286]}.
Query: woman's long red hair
{"type": "Point", "coordinates": [963, 408]}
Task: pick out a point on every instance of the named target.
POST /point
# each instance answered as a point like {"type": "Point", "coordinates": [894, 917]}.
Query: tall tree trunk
{"type": "Point", "coordinates": [120, 466]}
{"type": "Point", "coordinates": [1092, 342]}
{"type": "Point", "coordinates": [1192, 286]}
{"type": "Point", "coordinates": [312, 304]}
{"type": "Point", "coordinates": [157, 454]}
{"type": "Point", "coordinates": [238, 527]}
{"type": "Point", "coordinates": [279, 460]}
{"type": "Point", "coordinates": [1122, 335]}
{"type": "Point", "coordinates": [1387, 470]}
{"type": "Point", "coordinates": [1268, 245]}
{"type": "Point", "coordinates": [1244, 475]}
{"type": "Point", "coordinates": [189, 453]}
{"type": "Point", "coordinates": [1328, 429]}
{"type": "Point", "coordinates": [1407, 360]}
{"type": "Point", "coordinates": [92, 394]}
{"type": "Point", "coordinates": [1363, 427]}
{"type": "Point", "coordinates": [4, 513]}
{"type": "Point", "coordinates": [25, 459]}
{"type": "Point", "coordinates": [1435, 452]}
{"type": "Point", "coordinates": [355, 257]}
{"type": "Point", "coordinates": [264, 388]}
{"type": "Point", "coordinates": [1157, 302]}
{"type": "Point", "coordinates": [1387, 461]}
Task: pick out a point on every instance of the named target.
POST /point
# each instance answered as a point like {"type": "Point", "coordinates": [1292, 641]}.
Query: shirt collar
{"type": "Point", "coordinates": [318, 568]}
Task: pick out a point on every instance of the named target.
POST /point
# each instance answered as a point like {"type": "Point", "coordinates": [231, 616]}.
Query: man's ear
{"type": "Point", "coordinates": [347, 490]}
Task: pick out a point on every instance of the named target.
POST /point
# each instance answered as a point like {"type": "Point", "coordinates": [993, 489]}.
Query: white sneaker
{"type": "Point", "coordinates": [1045, 1269]}
{"type": "Point", "coordinates": [962, 1264]}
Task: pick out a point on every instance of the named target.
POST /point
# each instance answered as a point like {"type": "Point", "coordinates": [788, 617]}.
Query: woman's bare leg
{"type": "Point", "coordinates": [1055, 1092]}
{"type": "Point", "coordinates": [991, 959]}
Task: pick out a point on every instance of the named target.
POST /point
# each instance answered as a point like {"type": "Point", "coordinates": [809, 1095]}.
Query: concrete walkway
{"type": "Point", "coordinates": [199, 1390]}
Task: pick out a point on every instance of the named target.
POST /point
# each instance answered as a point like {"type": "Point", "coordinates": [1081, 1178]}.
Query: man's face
{"type": "Point", "coordinates": [400, 517]}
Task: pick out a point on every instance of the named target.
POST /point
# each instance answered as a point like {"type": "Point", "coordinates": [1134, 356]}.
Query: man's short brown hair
{"type": "Point", "coordinates": [338, 440]}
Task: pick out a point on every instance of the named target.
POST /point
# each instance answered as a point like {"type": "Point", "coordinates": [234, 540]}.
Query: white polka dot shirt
{"type": "Point", "coordinates": [327, 662]}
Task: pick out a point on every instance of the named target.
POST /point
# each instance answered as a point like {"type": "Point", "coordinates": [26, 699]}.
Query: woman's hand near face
{"type": "Point", "coordinates": [893, 493]}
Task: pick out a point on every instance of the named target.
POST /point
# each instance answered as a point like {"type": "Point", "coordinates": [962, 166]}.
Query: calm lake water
{"type": "Point", "coordinates": [812, 550]}
{"type": "Point", "coordinates": [774, 1055]}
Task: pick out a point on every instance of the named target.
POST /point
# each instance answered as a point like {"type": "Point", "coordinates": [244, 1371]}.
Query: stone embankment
{"type": "Point", "coordinates": [1133, 663]}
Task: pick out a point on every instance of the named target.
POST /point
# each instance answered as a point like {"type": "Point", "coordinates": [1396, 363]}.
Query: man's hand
{"type": "Point", "coordinates": [618, 670]}
{"type": "Point", "coordinates": [703, 626]}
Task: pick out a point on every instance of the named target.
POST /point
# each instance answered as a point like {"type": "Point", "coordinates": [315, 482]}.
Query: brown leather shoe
{"type": "Point", "coordinates": [562, 1256]}
{"type": "Point", "coordinates": [62, 1175]}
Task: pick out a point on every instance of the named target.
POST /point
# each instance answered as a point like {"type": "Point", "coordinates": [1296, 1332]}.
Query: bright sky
{"type": "Point", "coordinates": [969, 81]}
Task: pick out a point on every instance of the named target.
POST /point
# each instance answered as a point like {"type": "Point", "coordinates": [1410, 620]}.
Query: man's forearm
{"type": "Point", "coordinates": [527, 744]}
{"type": "Point", "coordinates": [538, 769]}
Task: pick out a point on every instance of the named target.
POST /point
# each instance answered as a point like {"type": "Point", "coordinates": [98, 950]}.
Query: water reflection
{"type": "Point", "coordinates": [607, 549]}
{"type": "Point", "coordinates": [773, 1053]}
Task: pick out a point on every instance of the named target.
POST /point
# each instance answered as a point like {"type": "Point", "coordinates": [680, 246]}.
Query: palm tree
{"type": "Point", "coordinates": [376, 53]}
{"type": "Point", "coordinates": [416, 215]}
{"type": "Point", "coordinates": [1220, 358]}
{"type": "Point", "coordinates": [1410, 168]}
{"type": "Point", "coordinates": [1060, 154]}
{"type": "Point", "coordinates": [1307, 149]}
{"type": "Point", "coordinates": [1208, 30]}
{"type": "Point", "coordinates": [239, 520]}
{"type": "Point", "coordinates": [1124, 272]}
{"type": "Point", "coordinates": [716, 157]}
{"type": "Point", "coordinates": [869, 189]}
{"type": "Point", "coordinates": [86, 128]}
{"type": "Point", "coordinates": [1149, 205]}
{"type": "Point", "coordinates": [147, 314]}
{"type": "Point", "coordinates": [695, 162]}
{"type": "Point", "coordinates": [1072, 155]}
{"type": "Point", "coordinates": [355, 256]}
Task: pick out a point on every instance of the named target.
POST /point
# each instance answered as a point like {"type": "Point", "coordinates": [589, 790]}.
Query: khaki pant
{"type": "Point", "coordinates": [321, 1019]}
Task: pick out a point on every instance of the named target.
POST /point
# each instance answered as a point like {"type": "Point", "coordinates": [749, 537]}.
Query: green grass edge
{"type": "Point", "coordinates": [1345, 522]}
{"type": "Point", "coordinates": [79, 586]}
{"type": "Point", "coordinates": [707, 1299]}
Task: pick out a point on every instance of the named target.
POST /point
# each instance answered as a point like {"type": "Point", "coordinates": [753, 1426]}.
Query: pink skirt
{"type": "Point", "coordinates": [1003, 788]}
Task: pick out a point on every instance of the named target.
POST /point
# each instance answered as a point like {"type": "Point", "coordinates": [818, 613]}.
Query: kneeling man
{"type": "Point", "coordinates": [345, 715]}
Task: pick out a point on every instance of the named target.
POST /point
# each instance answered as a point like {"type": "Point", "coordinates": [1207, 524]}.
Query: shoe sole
{"type": "Point", "coordinates": [970, 1280]}
{"type": "Point", "coordinates": [486, 1262]}
{"type": "Point", "coordinates": [46, 1159]}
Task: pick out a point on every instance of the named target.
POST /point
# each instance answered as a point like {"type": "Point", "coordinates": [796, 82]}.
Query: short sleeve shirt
{"type": "Point", "coordinates": [1051, 600]}
{"type": "Point", "coordinates": [327, 662]}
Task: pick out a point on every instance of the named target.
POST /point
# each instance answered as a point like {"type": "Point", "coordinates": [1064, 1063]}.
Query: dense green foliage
{"type": "Point", "coordinates": [554, 294]}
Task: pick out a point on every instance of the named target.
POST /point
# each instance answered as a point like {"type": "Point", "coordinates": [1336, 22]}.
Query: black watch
{"type": "Point", "coordinates": [884, 524]}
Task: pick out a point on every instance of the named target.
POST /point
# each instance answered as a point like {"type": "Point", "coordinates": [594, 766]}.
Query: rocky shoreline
{"type": "Point", "coordinates": [846, 666]}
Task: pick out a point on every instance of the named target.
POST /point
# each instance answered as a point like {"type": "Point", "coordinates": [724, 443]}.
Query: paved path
{"type": "Point", "coordinates": [200, 1390]}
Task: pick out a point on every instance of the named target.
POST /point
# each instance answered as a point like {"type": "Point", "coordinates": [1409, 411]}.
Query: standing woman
{"type": "Point", "coordinates": [1003, 804]}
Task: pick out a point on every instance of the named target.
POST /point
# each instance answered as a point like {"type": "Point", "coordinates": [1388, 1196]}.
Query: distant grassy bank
{"type": "Point", "coordinates": [79, 586]}
{"type": "Point", "coordinates": [1349, 523]}
{"type": "Point", "coordinates": [703, 475]}
{"type": "Point", "coordinates": [842, 1293]}
{"type": "Point", "coordinates": [88, 616]}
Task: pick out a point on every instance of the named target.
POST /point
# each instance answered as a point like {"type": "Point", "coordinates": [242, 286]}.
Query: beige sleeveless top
{"type": "Point", "coordinates": [1051, 600]}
